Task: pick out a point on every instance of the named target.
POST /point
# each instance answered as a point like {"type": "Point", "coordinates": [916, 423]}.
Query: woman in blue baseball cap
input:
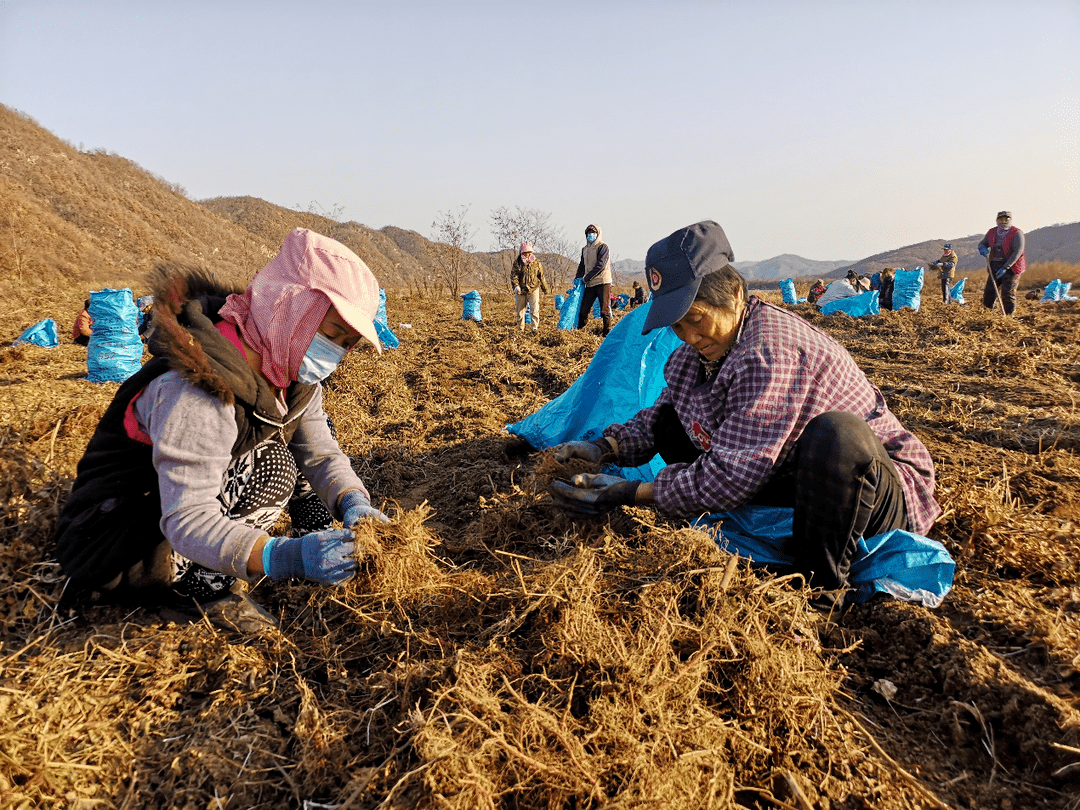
{"type": "Point", "coordinates": [759, 407]}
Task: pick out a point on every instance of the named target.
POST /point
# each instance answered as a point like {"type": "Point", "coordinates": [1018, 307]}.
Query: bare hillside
{"type": "Point", "coordinates": [89, 218]}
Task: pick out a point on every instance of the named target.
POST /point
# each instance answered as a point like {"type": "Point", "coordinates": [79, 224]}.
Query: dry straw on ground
{"type": "Point", "coordinates": [494, 654]}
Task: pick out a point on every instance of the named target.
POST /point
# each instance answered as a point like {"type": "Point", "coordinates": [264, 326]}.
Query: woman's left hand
{"type": "Point", "coordinates": [593, 495]}
{"type": "Point", "coordinates": [355, 506]}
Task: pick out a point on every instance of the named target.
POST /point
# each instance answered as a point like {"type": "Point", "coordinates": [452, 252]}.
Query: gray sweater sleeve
{"type": "Point", "coordinates": [193, 434]}
{"type": "Point", "coordinates": [320, 459]}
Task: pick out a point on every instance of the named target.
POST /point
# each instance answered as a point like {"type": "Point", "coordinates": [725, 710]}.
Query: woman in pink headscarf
{"type": "Point", "coordinates": [527, 279]}
{"type": "Point", "coordinates": [199, 451]}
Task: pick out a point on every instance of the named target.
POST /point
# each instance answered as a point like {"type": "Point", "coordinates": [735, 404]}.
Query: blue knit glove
{"type": "Point", "coordinates": [1000, 273]}
{"type": "Point", "coordinates": [326, 557]}
{"type": "Point", "coordinates": [984, 250]}
{"type": "Point", "coordinates": [355, 506]}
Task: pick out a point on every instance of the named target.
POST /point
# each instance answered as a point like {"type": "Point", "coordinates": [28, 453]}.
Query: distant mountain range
{"type": "Point", "coordinates": [1052, 243]}
{"type": "Point", "coordinates": [79, 220]}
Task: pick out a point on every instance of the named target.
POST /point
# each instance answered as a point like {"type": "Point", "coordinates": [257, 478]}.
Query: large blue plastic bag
{"type": "Point", "coordinates": [625, 375]}
{"type": "Point", "coordinates": [568, 315]}
{"type": "Point", "coordinates": [903, 564]}
{"type": "Point", "coordinates": [386, 335]}
{"type": "Point", "coordinates": [42, 333]}
{"type": "Point", "coordinates": [115, 350]}
{"type": "Point", "coordinates": [1057, 290]}
{"type": "Point", "coordinates": [470, 306]}
{"type": "Point", "coordinates": [857, 306]}
{"type": "Point", "coordinates": [559, 301]}
{"type": "Point", "coordinates": [787, 290]}
{"type": "Point", "coordinates": [907, 289]}
{"type": "Point", "coordinates": [956, 293]}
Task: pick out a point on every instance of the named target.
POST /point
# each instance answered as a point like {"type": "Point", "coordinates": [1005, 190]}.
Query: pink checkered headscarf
{"type": "Point", "coordinates": [281, 309]}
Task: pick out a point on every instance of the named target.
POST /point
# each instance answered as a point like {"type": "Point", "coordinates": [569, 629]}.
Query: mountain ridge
{"type": "Point", "coordinates": [81, 220]}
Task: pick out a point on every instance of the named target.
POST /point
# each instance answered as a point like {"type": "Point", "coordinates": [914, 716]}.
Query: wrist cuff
{"type": "Point", "coordinates": [266, 556]}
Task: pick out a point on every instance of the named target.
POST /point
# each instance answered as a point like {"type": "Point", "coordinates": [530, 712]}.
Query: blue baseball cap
{"type": "Point", "coordinates": [675, 266]}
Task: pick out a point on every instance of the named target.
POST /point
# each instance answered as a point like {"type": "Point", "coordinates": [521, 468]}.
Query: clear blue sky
{"type": "Point", "coordinates": [832, 130]}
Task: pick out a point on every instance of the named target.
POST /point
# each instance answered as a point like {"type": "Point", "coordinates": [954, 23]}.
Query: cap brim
{"type": "Point", "coordinates": [357, 318]}
{"type": "Point", "coordinates": [664, 310]}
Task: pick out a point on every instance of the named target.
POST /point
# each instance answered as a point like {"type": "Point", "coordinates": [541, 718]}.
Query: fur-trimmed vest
{"type": "Point", "coordinates": [112, 518]}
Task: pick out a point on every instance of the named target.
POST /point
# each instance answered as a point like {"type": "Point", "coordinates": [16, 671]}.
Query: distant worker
{"type": "Point", "coordinates": [84, 325]}
{"type": "Point", "coordinates": [859, 283]}
{"type": "Point", "coordinates": [817, 289]}
{"type": "Point", "coordinates": [595, 270]}
{"type": "Point", "coordinates": [638, 297]}
{"type": "Point", "coordinates": [841, 288]}
{"type": "Point", "coordinates": [145, 305]}
{"type": "Point", "coordinates": [1003, 248]}
{"type": "Point", "coordinates": [527, 276]}
{"type": "Point", "coordinates": [885, 291]}
{"type": "Point", "coordinates": [946, 265]}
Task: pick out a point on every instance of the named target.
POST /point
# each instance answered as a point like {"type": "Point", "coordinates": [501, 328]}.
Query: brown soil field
{"type": "Point", "coordinates": [494, 654]}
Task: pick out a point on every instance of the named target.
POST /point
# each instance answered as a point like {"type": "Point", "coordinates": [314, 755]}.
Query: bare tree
{"type": "Point", "coordinates": [452, 239]}
{"type": "Point", "coordinates": [510, 228]}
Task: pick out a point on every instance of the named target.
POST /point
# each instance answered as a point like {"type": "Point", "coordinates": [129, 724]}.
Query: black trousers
{"type": "Point", "coordinates": [1006, 285]}
{"type": "Point", "coordinates": [841, 484]}
{"type": "Point", "coordinates": [603, 292]}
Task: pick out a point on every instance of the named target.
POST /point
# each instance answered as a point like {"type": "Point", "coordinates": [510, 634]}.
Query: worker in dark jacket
{"type": "Point", "coordinates": [594, 270]}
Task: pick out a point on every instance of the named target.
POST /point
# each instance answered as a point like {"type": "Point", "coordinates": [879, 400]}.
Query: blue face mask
{"type": "Point", "coordinates": [590, 237]}
{"type": "Point", "coordinates": [323, 356]}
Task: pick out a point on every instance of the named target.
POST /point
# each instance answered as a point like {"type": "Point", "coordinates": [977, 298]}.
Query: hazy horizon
{"type": "Point", "coordinates": [828, 130]}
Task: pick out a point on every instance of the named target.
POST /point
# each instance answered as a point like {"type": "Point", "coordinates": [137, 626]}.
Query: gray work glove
{"type": "Point", "coordinates": [592, 451]}
{"type": "Point", "coordinates": [593, 495]}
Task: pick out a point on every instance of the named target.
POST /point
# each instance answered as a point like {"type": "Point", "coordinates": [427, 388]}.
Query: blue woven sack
{"type": "Point", "coordinates": [115, 350]}
{"type": "Point", "coordinates": [907, 289]}
{"type": "Point", "coordinates": [470, 306]}
{"type": "Point", "coordinates": [787, 290]}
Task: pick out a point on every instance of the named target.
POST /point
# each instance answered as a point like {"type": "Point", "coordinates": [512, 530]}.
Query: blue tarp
{"type": "Point", "coordinates": [627, 374]}
{"type": "Point", "coordinates": [787, 290]}
{"type": "Point", "coordinates": [42, 333]}
{"type": "Point", "coordinates": [857, 306]}
{"type": "Point", "coordinates": [568, 315]}
{"type": "Point", "coordinates": [904, 564]}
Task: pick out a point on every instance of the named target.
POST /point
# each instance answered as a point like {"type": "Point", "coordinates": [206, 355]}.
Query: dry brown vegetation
{"type": "Point", "coordinates": [491, 653]}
